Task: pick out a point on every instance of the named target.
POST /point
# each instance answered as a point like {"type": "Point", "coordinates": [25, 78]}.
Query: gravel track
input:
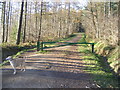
{"type": "Point", "coordinates": [60, 67]}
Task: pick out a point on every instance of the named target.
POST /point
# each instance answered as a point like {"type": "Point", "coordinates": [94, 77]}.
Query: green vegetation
{"type": "Point", "coordinates": [60, 40]}
{"type": "Point", "coordinates": [111, 52]}
{"type": "Point", "coordinates": [98, 66]}
{"type": "Point", "coordinates": [83, 38]}
{"type": "Point", "coordinates": [67, 38]}
{"type": "Point", "coordinates": [19, 47]}
{"type": "Point", "coordinates": [13, 34]}
{"type": "Point", "coordinates": [18, 54]}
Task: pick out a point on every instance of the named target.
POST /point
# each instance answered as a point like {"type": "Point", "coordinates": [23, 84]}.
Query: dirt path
{"type": "Point", "coordinates": [60, 67]}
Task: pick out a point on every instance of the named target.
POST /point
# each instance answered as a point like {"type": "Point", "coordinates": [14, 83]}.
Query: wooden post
{"type": "Point", "coordinates": [93, 48]}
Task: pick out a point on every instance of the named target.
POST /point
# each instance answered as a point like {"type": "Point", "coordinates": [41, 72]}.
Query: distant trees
{"type": "Point", "coordinates": [58, 21]}
{"type": "Point", "coordinates": [6, 6]}
{"type": "Point", "coordinates": [30, 22]}
{"type": "Point", "coordinates": [100, 21]}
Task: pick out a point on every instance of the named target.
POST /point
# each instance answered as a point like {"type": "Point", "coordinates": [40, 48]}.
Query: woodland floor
{"type": "Point", "coordinates": [60, 67]}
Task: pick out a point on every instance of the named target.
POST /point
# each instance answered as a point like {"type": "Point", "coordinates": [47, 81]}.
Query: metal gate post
{"type": "Point", "coordinates": [38, 45]}
{"type": "Point", "coordinates": [93, 48]}
{"type": "Point", "coordinates": [41, 46]}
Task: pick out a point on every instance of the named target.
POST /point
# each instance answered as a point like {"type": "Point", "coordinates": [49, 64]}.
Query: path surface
{"type": "Point", "coordinates": [60, 67]}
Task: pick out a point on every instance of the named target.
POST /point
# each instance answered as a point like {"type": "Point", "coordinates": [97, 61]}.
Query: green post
{"type": "Point", "coordinates": [41, 46]}
{"type": "Point", "coordinates": [38, 45]}
{"type": "Point", "coordinates": [93, 48]}
{"type": "Point", "coordinates": [84, 36]}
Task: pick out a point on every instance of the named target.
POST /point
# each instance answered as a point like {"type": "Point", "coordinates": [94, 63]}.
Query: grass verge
{"type": "Point", "coordinates": [16, 55]}
{"type": "Point", "coordinates": [96, 65]}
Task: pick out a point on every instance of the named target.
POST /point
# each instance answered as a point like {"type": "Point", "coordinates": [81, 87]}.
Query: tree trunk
{"type": "Point", "coordinates": [7, 23]}
{"type": "Point", "coordinates": [39, 35]}
{"type": "Point", "coordinates": [24, 32]}
{"type": "Point", "coordinates": [3, 37]}
{"type": "Point", "coordinates": [36, 19]}
{"type": "Point", "coordinates": [94, 23]}
{"type": "Point", "coordinates": [11, 14]}
{"type": "Point", "coordinates": [60, 22]}
{"type": "Point", "coordinates": [20, 23]}
{"type": "Point", "coordinates": [29, 32]}
{"type": "Point", "coordinates": [59, 32]}
{"type": "Point", "coordinates": [105, 9]}
{"type": "Point", "coordinates": [119, 24]}
{"type": "Point", "coordinates": [68, 21]}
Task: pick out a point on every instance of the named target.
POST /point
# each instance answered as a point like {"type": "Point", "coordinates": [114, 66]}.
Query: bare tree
{"type": "Point", "coordinates": [60, 21]}
{"type": "Point", "coordinates": [94, 20]}
{"type": "Point", "coordinates": [29, 30]}
{"type": "Point", "coordinates": [39, 35]}
{"type": "Point", "coordinates": [52, 23]}
{"type": "Point", "coordinates": [68, 19]}
{"type": "Point", "coordinates": [7, 21]}
{"type": "Point", "coordinates": [119, 23]}
{"type": "Point", "coordinates": [20, 23]}
{"type": "Point", "coordinates": [24, 32]}
{"type": "Point", "coordinates": [3, 12]}
{"type": "Point", "coordinates": [36, 18]}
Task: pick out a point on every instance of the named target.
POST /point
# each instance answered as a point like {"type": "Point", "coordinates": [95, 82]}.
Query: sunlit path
{"type": "Point", "coordinates": [60, 67]}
